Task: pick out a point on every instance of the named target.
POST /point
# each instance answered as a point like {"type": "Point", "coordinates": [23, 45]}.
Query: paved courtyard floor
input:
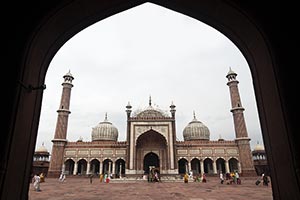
{"type": "Point", "coordinates": [82, 189]}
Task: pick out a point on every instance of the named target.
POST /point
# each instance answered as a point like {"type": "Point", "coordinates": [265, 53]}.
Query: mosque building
{"type": "Point", "coordinates": [151, 143]}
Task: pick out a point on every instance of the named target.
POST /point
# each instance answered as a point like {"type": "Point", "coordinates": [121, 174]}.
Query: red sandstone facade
{"type": "Point", "coordinates": [151, 142]}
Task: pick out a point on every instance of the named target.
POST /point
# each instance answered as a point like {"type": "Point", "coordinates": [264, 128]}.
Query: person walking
{"type": "Point", "coordinates": [237, 177]}
{"type": "Point", "coordinates": [221, 178]}
{"type": "Point", "coordinates": [101, 178]}
{"type": "Point", "coordinates": [62, 177]}
{"type": "Point", "coordinates": [265, 180]}
{"type": "Point", "coordinates": [36, 183]}
{"type": "Point", "coordinates": [186, 178]}
{"type": "Point", "coordinates": [203, 178]}
{"type": "Point", "coordinates": [91, 178]}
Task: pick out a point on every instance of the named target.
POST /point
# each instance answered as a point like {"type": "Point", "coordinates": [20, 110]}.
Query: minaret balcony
{"type": "Point", "coordinates": [237, 109]}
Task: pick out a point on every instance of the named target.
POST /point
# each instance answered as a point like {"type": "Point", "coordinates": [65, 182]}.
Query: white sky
{"type": "Point", "coordinates": [148, 50]}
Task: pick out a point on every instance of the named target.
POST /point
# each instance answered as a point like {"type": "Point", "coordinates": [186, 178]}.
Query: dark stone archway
{"type": "Point", "coordinates": [82, 167]}
{"type": "Point", "coordinates": [43, 27]}
{"type": "Point", "coordinates": [220, 162]}
{"type": "Point", "coordinates": [155, 143]}
{"type": "Point", "coordinates": [151, 160]}
{"type": "Point", "coordinates": [69, 167]}
{"type": "Point", "coordinates": [195, 165]}
{"type": "Point", "coordinates": [120, 168]}
{"type": "Point", "coordinates": [233, 165]}
{"type": "Point", "coordinates": [208, 166]}
{"type": "Point", "coordinates": [95, 166]}
{"type": "Point", "coordinates": [182, 166]}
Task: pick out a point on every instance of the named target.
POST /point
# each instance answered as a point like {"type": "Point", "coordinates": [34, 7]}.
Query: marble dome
{"type": "Point", "coordinates": [41, 149]}
{"type": "Point", "coordinates": [105, 131]}
{"type": "Point", "coordinates": [150, 112]}
{"type": "Point", "coordinates": [196, 130]}
{"type": "Point", "coordinates": [259, 147]}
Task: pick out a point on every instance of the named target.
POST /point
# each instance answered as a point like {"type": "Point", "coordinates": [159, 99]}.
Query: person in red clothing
{"type": "Point", "coordinates": [203, 178]}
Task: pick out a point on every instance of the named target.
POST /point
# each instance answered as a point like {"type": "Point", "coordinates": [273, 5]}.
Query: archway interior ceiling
{"type": "Point", "coordinates": [151, 139]}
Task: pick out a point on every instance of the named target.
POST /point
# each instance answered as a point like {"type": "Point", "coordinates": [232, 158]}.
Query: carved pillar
{"type": "Point", "coordinates": [75, 168]}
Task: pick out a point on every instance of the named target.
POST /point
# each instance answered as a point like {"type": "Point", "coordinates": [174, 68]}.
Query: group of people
{"type": "Point", "coordinates": [230, 178]}
{"type": "Point", "coordinates": [263, 179]}
{"type": "Point", "coordinates": [154, 175]}
{"type": "Point", "coordinates": [196, 178]}
{"type": "Point", "coordinates": [105, 178]}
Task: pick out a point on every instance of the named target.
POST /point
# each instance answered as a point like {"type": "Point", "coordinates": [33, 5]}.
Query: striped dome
{"type": "Point", "coordinates": [196, 130]}
{"type": "Point", "coordinates": [105, 131]}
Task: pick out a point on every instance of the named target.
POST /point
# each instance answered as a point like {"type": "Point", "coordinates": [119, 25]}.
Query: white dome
{"type": "Point", "coordinates": [259, 147]}
{"type": "Point", "coordinates": [150, 112]}
{"type": "Point", "coordinates": [42, 149]}
{"type": "Point", "coordinates": [196, 130]}
{"type": "Point", "coordinates": [105, 131]}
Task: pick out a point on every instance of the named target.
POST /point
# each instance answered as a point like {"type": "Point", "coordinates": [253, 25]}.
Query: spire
{"type": "Point", "coordinates": [194, 116]}
{"type": "Point", "coordinates": [128, 109]}
{"type": "Point", "coordinates": [231, 75]}
{"type": "Point", "coordinates": [172, 106]}
{"type": "Point", "coordinates": [128, 105]}
{"type": "Point", "coordinates": [150, 100]}
{"type": "Point", "coordinates": [173, 110]}
{"type": "Point", "coordinates": [230, 71]}
{"type": "Point", "coordinates": [68, 77]}
{"type": "Point", "coordinates": [105, 119]}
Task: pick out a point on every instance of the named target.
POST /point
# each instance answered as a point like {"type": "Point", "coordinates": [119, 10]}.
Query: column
{"type": "Point", "coordinates": [100, 168]}
{"type": "Point", "coordinates": [201, 166]}
{"type": "Point", "coordinates": [63, 168]}
{"type": "Point", "coordinates": [88, 167]}
{"type": "Point", "coordinates": [113, 168]}
{"type": "Point", "coordinates": [227, 166]}
{"type": "Point", "coordinates": [186, 167]}
{"type": "Point", "coordinates": [75, 168]}
{"type": "Point", "coordinates": [239, 168]}
{"type": "Point", "coordinates": [190, 167]}
{"type": "Point", "coordinates": [214, 167]}
{"type": "Point", "coordinates": [109, 168]}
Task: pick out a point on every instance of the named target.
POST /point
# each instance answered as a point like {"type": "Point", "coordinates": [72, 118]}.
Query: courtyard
{"type": "Point", "coordinates": [82, 189]}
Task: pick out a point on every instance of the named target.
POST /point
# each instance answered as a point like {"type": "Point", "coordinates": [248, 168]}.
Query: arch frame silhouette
{"type": "Point", "coordinates": [59, 22]}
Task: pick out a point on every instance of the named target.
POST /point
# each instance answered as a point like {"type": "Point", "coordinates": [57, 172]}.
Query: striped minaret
{"type": "Point", "coordinates": [242, 139]}
{"type": "Point", "coordinates": [60, 137]}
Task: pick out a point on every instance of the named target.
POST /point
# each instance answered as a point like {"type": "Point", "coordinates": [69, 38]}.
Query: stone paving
{"type": "Point", "coordinates": [82, 189]}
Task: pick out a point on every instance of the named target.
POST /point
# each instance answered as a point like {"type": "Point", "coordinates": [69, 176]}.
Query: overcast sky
{"type": "Point", "coordinates": [148, 50]}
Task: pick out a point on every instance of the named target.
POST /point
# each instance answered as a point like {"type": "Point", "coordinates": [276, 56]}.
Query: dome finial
{"type": "Point", "coordinates": [150, 100]}
{"type": "Point", "coordinates": [105, 119]}
{"type": "Point", "coordinates": [194, 115]}
{"type": "Point", "coordinates": [128, 106]}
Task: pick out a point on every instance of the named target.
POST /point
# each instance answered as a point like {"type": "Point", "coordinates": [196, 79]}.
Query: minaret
{"type": "Point", "coordinates": [128, 111]}
{"type": "Point", "coordinates": [242, 139]}
{"type": "Point", "coordinates": [173, 110]}
{"type": "Point", "coordinates": [59, 141]}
